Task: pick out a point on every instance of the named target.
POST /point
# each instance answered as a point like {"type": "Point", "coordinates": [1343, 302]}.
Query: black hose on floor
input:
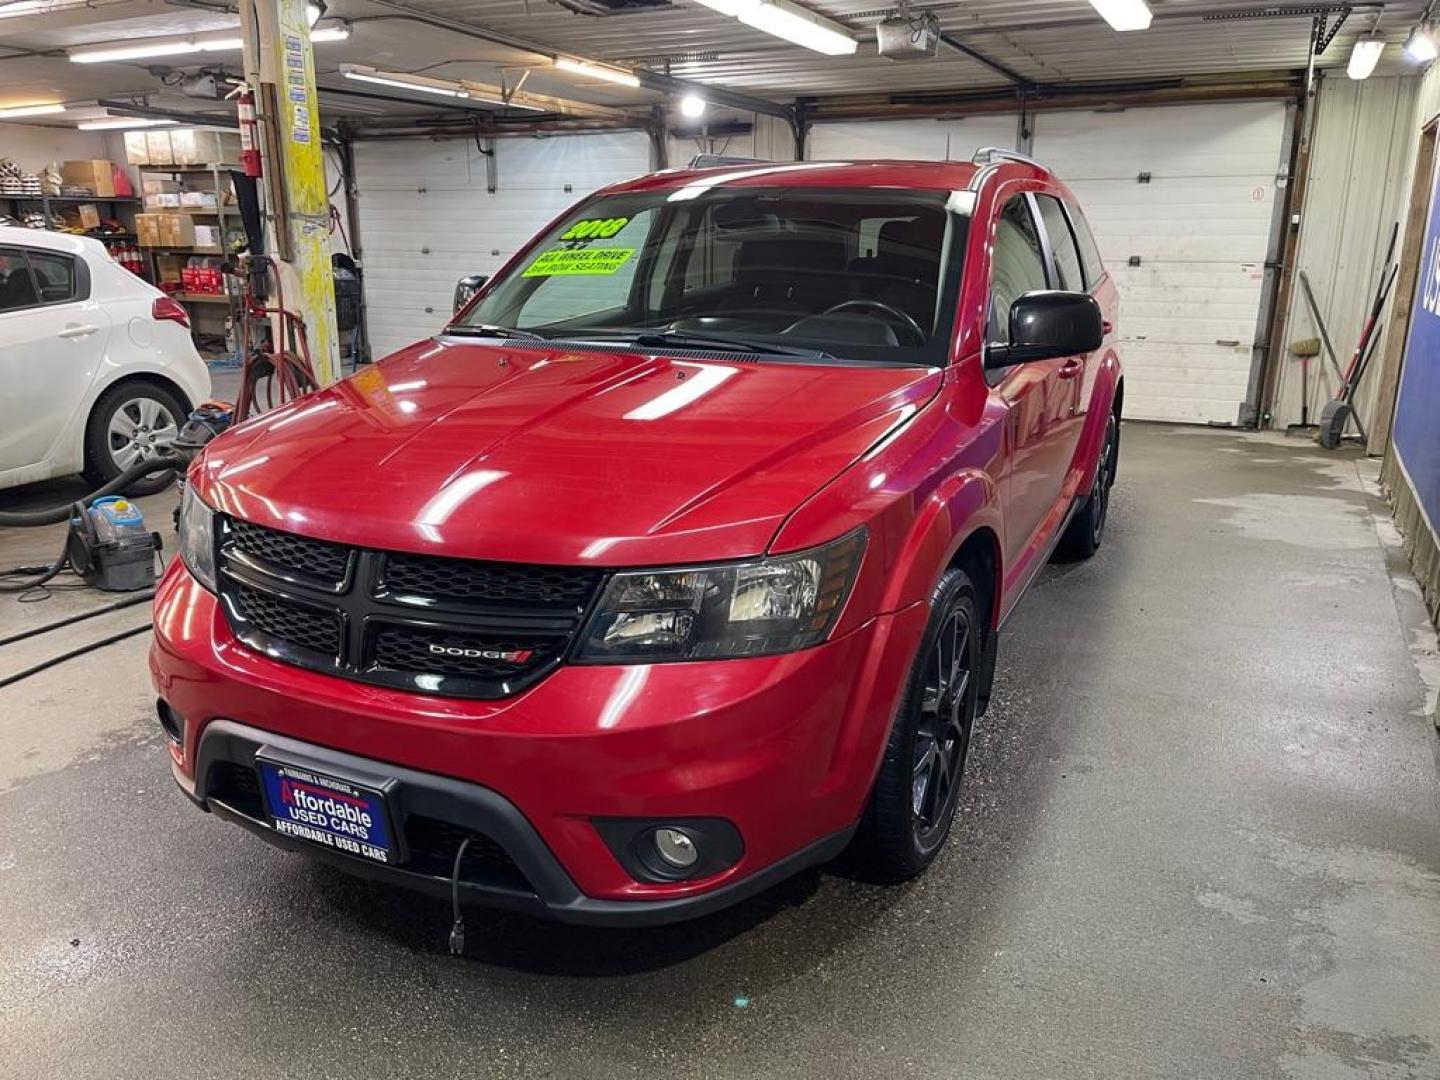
{"type": "Point", "coordinates": [142, 598]}
{"type": "Point", "coordinates": [56, 514]}
{"type": "Point", "coordinates": [45, 665]}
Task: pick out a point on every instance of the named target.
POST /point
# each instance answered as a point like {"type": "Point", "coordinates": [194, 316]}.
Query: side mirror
{"type": "Point", "coordinates": [467, 287]}
{"type": "Point", "coordinates": [1047, 324]}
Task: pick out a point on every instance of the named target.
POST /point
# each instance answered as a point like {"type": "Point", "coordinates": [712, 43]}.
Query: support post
{"type": "Point", "coordinates": [280, 65]}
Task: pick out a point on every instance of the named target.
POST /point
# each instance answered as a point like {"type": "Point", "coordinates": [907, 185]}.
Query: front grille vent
{"type": "Point", "coordinates": [457, 627]}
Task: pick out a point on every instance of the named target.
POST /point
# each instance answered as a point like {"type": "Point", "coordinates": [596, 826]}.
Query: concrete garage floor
{"type": "Point", "coordinates": [1201, 839]}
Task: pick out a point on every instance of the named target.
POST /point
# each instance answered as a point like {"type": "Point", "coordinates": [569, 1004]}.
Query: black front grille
{"type": "Point", "coordinates": [489, 583]}
{"type": "Point", "coordinates": [314, 558]}
{"type": "Point", "coordinates": [237, 786]}
{"type": "Point", "coordinates": [458, 627]}
{"type": "Point", "coordinates": [433, 844]}
{"type": "Point", "coordinates": [300, 625]}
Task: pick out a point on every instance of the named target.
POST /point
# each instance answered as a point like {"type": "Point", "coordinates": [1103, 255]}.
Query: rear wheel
{"type": "Point", "coordinates": [130, 423]}
{"type": "Point", "coordinates": [913, 803]}
{"type": "Point", "coordinates": [1087, 528]}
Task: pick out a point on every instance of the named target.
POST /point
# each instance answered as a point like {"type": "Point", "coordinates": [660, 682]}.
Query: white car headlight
{"type": "Point", "coordinates": [737, 609]}
{"type": "Point", "coordinates": [197, 538]}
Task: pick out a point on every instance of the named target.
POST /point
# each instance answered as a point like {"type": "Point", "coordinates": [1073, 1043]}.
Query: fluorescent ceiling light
{"type": "Point", "coordinates": [798, 25]}
{"type": "Point", "coordinates": [1124, 14]}
{"type": "Point", "coordinates": [1420, 45]}
{"type": "Point", "coordinates": [31, 110]}
{"type": "Point", "coordinates": [693, 106]}
{"type": "Point", "coordinates": [724, 7]}
{"type": "Point", "coordinates": [32, 7]}
{"type": "Point", "coordinates": [171, 47]}
{"type": "Point", "coordinates": [1363, 58]}
{"type": "Point", "coordinates": [225, 42]}
{"type": "Point", "coordinates": [597, 71]}
{"type": "Point", "coordinates": [121, 123]}
{"type": "Point", "coordinates": [404, 81]}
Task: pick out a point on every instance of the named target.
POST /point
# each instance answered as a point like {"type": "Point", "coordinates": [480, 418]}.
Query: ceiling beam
{"type": "Point", "coordinates": [650, 80]}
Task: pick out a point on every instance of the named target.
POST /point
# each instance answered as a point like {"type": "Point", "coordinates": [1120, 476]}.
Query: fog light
{"type": "Point", "coordinates": [675, 848]}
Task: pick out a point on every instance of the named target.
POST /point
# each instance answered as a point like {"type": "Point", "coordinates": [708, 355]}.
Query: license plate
{"type": "Point", "coordinates": [328, 811]}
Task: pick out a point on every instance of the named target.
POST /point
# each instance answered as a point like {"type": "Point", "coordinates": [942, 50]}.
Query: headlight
{"type": "Point", "coordinates": [197, 537]}
{"type": "Point", "coordinates": [740, 609]}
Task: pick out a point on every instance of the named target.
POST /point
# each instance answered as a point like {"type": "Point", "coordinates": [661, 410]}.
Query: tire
{"type": "Point", "coordinates": [150, 414]}
{"type": "Point", "coordinates": [905, 824]}
{"type": "Point", "coordinates": [1086, 530]}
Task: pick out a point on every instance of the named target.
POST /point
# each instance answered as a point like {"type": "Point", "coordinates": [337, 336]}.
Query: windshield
{"type": "Point", "coordinates": [860, 275]}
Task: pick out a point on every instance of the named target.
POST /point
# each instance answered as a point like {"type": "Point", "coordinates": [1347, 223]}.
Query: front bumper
{"type": "Point", "coordinates": [785, 748]}
{"type": "Point", "coordinates": [519, 873]}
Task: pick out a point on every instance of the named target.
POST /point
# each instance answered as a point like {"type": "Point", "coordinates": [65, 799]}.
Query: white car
{"type": "Point", "coordinates": [97, 369]}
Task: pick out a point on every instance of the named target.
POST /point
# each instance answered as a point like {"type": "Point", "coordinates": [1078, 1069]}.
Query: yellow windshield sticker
{"type": "Point", "coordinates": [565, 262]}
{"type": "Point", "coordinates": [595, 228]}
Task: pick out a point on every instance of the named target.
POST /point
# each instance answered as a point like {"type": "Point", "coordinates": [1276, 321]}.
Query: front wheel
{"type": "Point", "coordinates": [1082, 537]}
{"type": "Point", "coordinates": [918, 788]}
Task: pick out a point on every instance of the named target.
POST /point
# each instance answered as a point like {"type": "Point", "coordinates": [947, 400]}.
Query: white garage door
{"type": "Point", "coordinates": [426, 218]}
{"type": "Point", "coordinates": [924, 140]}
{"type": "Point", "coordinates": [1200, 229]}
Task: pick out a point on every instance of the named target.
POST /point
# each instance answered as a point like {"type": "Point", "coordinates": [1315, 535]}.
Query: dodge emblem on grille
{"type": "Point", "coordinates": [515, 656]}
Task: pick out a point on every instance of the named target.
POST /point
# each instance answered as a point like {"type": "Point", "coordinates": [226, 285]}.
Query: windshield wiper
{"type": "Point", "coordinates": [689, 339]}
{"type": "Point", "coordinates": [491, 330]}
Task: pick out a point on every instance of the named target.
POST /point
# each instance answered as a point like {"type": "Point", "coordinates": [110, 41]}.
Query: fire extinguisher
{"type": "Point", "coordinates": [249, 134]}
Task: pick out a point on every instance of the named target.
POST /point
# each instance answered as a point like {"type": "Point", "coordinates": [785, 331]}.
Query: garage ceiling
{"type": "Point", "coordinates": [1049, 41]}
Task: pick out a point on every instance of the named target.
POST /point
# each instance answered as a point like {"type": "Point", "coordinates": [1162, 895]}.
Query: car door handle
{"type": "Point", "coordinates": [1071, 368]}
{"type": "Point", "coordinates": [77, 331]}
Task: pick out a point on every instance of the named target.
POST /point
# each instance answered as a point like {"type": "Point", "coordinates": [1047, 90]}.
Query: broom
{"type": "Point", "coordinates": [1304, 350]}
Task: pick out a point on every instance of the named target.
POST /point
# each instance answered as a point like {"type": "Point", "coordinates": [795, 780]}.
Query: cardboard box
{"type": "Point", "coordinates": [197, 200]}
{"type": "Point", "coordinates": [97, 177]}
{"type": "Point", "coordinates": [176, 230]}
{"type": "Point", "coordinates": [199, 146]}
{"type": "Point", "coordinates": [169, 268]}
{"type": "Point", "coordinates": [157, 147]}
{"type": "Point", "coordinates": [147, 229]}
{"type": "Point", "coordinates": [207, 236]}
{"type": "Point", "coordinates": [158, 185]}
{"type": "Point", "coordinates": [162, 200]}
{"type": "Point", "coordinates": [89, 216]}
{"type": "Point", "coordinates": [136, 152]}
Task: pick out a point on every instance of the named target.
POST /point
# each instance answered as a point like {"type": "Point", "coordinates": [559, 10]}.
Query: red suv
{"type": "Point", "coordinates": [676, 563]}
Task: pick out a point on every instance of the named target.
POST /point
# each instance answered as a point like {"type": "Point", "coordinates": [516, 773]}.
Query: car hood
{"type": "Point", "coordinates": [517, 452]}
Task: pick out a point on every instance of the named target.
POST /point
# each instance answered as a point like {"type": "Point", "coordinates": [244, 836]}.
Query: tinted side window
{"type": "Point", "coordinates": [1089, 252]}
{"type": "Point", "coordinates": [55, 276]}
{"type": "Point", "coordinates": [17, 289]}
{"type": "Point", "coordinates": [1062, 244]}
{"type": "Point", "coordinates": [1017, 265]}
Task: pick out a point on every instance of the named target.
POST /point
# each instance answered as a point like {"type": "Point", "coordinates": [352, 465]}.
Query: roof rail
{"type": "Point", "coordinates": [989, 155]}
{"type": "Point", "coordinates": [710, 161]}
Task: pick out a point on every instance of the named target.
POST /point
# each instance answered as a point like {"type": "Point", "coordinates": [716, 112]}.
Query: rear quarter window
{"type": "Point", "coordinates": [1089, 251]}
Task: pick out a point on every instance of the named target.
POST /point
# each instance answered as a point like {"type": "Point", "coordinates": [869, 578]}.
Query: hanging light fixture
{"type": "Point", "coordinates": [1421, 46]}
{"type": "Point", "coordinates": [604, 72]}
{"type": "Point", "coordinates": [222, 41]}
{"type": "Point", "coordinates": [1364, 56]}
{"type": "Point", "coordinates": [791, 22]}
{"type": "Point", "coordinates": [1124, 14]}
{"type": "Point", "coordinates": [692, 106]}
{"type": "Point", "coordinates": [31, 110]}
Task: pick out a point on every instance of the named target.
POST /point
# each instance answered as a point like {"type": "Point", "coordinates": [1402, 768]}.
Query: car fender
{"type": "Point", "coordinates": [964, 503]}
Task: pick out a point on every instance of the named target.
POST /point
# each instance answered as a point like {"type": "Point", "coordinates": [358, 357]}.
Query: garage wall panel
{"type": "Point", "coordinates": [427, 218]}
{"type": "Point", "coordinates": [915, 140]}
{"type": "Point", "coordinates": [1200, 226]}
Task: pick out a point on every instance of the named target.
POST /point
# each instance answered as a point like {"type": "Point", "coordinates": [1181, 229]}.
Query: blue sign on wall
{"type": "Point", "coordinates": [1417, 409]}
